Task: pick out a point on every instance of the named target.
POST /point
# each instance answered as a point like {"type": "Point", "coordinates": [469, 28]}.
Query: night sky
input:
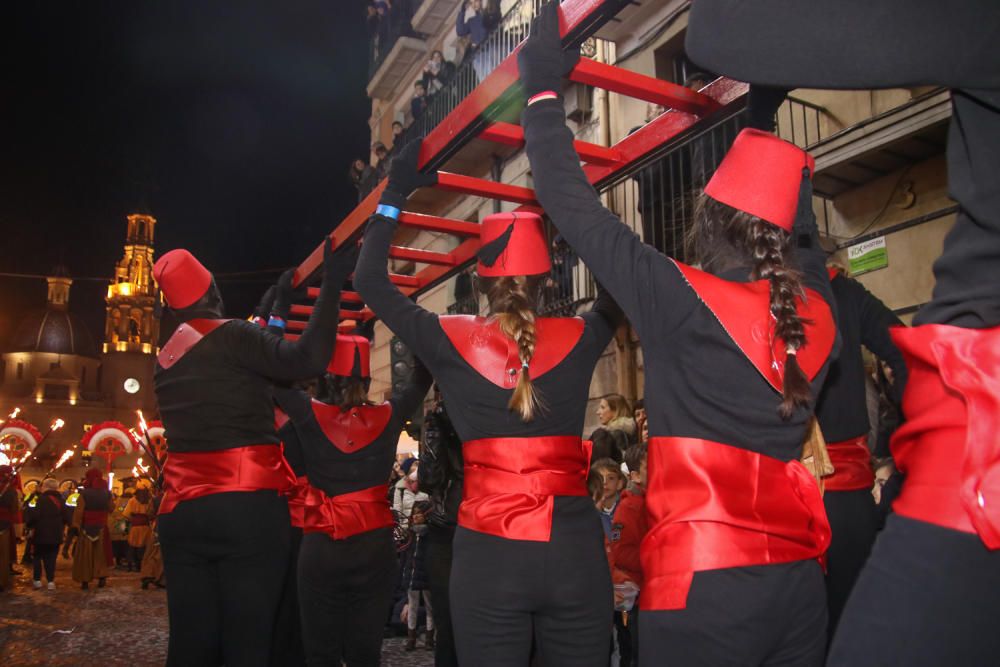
{"type": "Point", "coordinates": [233, 123]}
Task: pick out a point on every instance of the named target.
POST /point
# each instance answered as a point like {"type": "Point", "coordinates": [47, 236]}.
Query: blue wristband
{"type": "Point", "coordinates": [276, 321]}
{"type": "Point", "coordinates": [387, 211]}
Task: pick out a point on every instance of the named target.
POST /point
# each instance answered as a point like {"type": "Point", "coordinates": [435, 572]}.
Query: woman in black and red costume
{"type": "Point", "coordinates": [528, 552]}
{"type": "Point", "coordinates": [938, 558]}
{"type": "Point", "coordinates": [734, 354]}
{"type": "Point", "coordinates": [842, 413]}
{"type": "Point", "coordinates": [347, 564]}
{"type": "Point", "coordinates": [223, 520]}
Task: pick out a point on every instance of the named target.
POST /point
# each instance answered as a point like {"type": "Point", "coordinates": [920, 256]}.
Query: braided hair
{"type": "Point", "coordinates": [514, 300]}
{"type": "Point", "coordinates": [724, 237]}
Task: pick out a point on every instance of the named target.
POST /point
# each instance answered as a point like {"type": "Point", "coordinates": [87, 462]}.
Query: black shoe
{"type": "Point", "coordinates": [102, 582]}
{"type": "Point", "coordinates": [85, 585]}
{"type": "Point", "coordinates": [145, 584]}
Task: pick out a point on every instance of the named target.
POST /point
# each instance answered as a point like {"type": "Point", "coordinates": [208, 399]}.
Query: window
{"type": "Point", "coordinates": [20, 370]}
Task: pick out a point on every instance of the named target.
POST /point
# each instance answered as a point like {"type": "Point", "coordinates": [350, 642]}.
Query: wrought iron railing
{"type": "Point", "coordinates": [801, 122]}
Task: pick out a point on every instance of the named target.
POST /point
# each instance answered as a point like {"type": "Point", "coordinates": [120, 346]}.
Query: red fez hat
{"type": "Point", "coordinates": [761, 175]}
{"type": "Point", "coordinates": [93, 478]}
{"type": "Point", "coordinates": [513, 244]}
{"type": "Point", "coordinates": [182, 278]}
{"type": "Point", "coordinates": [351, 357]}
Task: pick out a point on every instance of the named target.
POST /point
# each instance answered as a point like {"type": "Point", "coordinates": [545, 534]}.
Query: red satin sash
{"type": "Point", "coordinates": [95, 518]}
{"type": "Point", "coordinates": [713, 506]}
{"type": "Point", "coordinates": [190, 475]}
{"type": "Point", "coordinates": [297, 501]}
{"type": "Point", "coordinates": [510, 483]}
{"type": "Point", "coordinates": [852, 465]}
{"type": "Point", "coordinates": [348, 514]}
{"type": "Point", "coordinates": [949, 446]}
{"type": "Point", "coordinates": [137, 520]}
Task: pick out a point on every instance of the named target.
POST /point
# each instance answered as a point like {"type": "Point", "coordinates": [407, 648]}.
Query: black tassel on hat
{"type": "Point", "coordinates": [490, 253]}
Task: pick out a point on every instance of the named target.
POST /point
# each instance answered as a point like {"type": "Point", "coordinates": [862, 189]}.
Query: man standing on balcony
{"type": "Point", "coordinates": [938, 558]}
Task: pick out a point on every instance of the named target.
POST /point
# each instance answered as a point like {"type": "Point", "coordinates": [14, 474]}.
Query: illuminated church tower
{"type": "Point", "coordinates": [132, 328]}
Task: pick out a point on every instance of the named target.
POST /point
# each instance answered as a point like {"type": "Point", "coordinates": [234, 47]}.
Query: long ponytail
{"type": "Point", "coordinates": [723, 237]}
{"type": "Point", "coordinates": [769, 246]}
{"type": "Point", "coordinates": [513, 300]}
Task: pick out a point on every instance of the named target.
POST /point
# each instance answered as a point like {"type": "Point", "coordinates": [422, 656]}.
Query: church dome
{"type": "Point", "coordinates": [52, 330]}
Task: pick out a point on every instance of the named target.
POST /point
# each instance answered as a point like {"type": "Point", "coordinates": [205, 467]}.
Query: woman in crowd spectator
{"type": "Point", "coordinates": [608, 443]}
{"type": "Point", "coordinates": [397, 133]}
{"type": "Point", "coordinates": [476, 20]}
{"type": "Point", "coordinates": [362, 177]}
{"type": "Point", "coordinates": [413, 573]}
{"type": "Point", "coordinates": [45, 517]}
{"type": "Point", "coordinates": [730, 565]}
{"type": "Point", "coordinates": [381, 161]}
{"type": "Point", "coordinates": [437, 72]}
{"type": "Point", "coordinates": [529, 564]}
{"type": "Point", "coordinates": [615, 414]}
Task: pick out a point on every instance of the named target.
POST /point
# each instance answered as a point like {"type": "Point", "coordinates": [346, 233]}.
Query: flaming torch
{"type": "Point", "coordinates": [145, 443]}
{"type": "Point", "coordinates": [66, 456]}
{"type": "Point", "coordinates": [12, 415]}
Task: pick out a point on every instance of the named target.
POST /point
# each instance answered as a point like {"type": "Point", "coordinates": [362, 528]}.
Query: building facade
{"type": "Point", "coordinates": [52, 368]}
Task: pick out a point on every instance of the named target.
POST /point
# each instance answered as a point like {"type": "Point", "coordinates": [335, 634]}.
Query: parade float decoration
{"type": "Point", "coordinates": [109, 441]}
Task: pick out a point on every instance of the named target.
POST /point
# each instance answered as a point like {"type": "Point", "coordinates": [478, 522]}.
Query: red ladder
{"type": "Point", "coordinates": [473, 118]}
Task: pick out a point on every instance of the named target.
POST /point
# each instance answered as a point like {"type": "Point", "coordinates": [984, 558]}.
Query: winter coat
{"type": "Point", "coordinates": [46, 516]}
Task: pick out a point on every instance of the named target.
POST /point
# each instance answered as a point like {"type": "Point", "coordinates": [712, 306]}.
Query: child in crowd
{"type": "Point", "coordinates": [612, 481]}
{"type": "Point", "coordinates": [627, 530]}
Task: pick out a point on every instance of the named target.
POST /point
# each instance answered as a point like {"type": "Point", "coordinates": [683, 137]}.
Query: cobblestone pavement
{"type": "Point", "coordinates": [117, 626]}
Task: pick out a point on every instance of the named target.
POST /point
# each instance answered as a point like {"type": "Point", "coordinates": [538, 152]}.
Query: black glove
{"type": "Point", "coordinates": [542, 61]}
{"type": "Point", "coordinates": [338, 263]}
{"type": "Point", "coordinates": [263, 308]}
{"type": "Point", "coordinates": [404, 177]}
{"type": "Point", "coordinates": [284, 295]}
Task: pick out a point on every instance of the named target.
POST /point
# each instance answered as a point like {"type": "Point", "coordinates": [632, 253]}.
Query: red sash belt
{"type": "Point", "coordinates": [714, 506]}
{"type": "Point", "coordinates": [190, 475]}
{"type": "Point", "coordinates": [297, 496]}
{"type": "Point", "coordinates": [949, 446]}
{"type": "Point", "coordinates": [510, 483]}
{"type": "Point", "coordinates": [95, 518]}
{"type": "Point", "coordinates": [852, 465]}
{"type": "Point", "coordinates": [348, 514]}
{"type": "Point", "coordinates": [137, 520]}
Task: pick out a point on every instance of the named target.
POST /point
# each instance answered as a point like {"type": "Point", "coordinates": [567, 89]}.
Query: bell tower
{"type": "Point", "coordinates": [132, 327]}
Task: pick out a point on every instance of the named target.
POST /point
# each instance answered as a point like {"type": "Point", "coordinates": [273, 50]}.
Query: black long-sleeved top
{"type": "Point", "coordinates": [698, 383]}
{"type": "Point", "coordinates": [862, 320]}
{"type": "Point", "coordinates": [218, 396]}
{"type": "Point", "coordinates": [331, 470]}
{"type": "Point", "coordinates": [477, 407]}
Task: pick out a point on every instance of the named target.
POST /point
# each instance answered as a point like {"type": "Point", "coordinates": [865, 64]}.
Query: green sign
{"type": "Point", "coordinates": [868, 256]}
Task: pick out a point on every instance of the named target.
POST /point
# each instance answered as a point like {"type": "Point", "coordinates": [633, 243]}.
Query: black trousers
{"type": "Point", "coordinates": [345, 591]}
{"type": "Point", "coordinates": [745, 616]}
{"type": "Point", "coordinates": [437, 561]}
{"type": "Point", "coordinates": [45, 554]}
{"type": "Point", "coordinates": [928, 596]}
{"type": "Point", "coordinates": [135, 555]}
{"type": "Point", "coordinates": [506, 592]}
{"type": "Point", "coordinates": [287, 649]}
{"type": "Point", "coordinates": [225, 556]}
{"type": "Point", "coordinates": [853, 518]}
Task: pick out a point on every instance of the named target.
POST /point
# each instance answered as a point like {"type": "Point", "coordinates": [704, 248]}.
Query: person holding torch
{"type": "Point", "coordinates": [223, 521]}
